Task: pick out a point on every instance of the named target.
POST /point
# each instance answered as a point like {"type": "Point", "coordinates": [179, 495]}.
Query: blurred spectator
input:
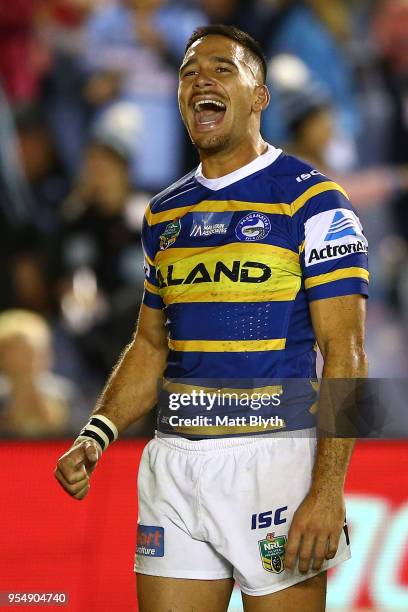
{"type": "Point", "coordinates": [100, 263]}
{"type": "Point", "coordinates": [36, 177]}
{"type": "Point", "coordinates": [33, 401]}
{"type": "Point", "coordinates": [335, 16]}
{"type": "Point", "coordinates": [42, 168]}
{"type": "Point", "coordinates": [309, 113]}
{"type": "Point", "coordinates": [240, 13]}
{"type": "Point", "coordinates": [61, 29]}
{"type": "Point", "coordinates": [391, 27]}
{"type": "Point", "coordinates": [17, 219]}
{"type": "Point", "coordinates": [297, 28]}
{"type": "Point", "coordinates": [29, 282]}
{"type": "Point", "coordinates": [15, 197]}
{"type": "Point", "coordinates": [133, 51]}
{"type": "Point", "coordinates": [22, 59]}
{"type": "Point", "coordinates": [391, 32]}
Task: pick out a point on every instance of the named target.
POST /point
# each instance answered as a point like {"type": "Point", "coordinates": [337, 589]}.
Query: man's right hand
{"type": "Point", "coordinates": [75, 467]}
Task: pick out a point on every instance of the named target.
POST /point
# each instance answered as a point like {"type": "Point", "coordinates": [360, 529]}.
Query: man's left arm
{"type": "Point", "coordinates": [339, 325]}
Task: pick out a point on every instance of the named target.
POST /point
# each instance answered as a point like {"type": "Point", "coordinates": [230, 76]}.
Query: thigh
{"type": "Point", "coordinates": [157, 594]}
{"type": "Point", "coordinates": [170, 542]}
{"type": "Point", "coordinates": [250, 513]}
{"type": "Point", "coordinates": [309, 595]}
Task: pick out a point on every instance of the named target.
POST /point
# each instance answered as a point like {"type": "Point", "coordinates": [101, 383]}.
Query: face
{"type": "Point", "coordinates": [221, 94]}
{"type": "Point", "coordinates": [316, 131]}
{"type": "Point", "coordinates": [103, 173]}
{"type": "Point", "coordinates": [18, 357]}
{"type": "Point", "coordinates": [36, 153]}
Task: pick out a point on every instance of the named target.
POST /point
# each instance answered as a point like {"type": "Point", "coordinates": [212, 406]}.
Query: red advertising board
{"type": "Point", "coordinates": [51, 543]}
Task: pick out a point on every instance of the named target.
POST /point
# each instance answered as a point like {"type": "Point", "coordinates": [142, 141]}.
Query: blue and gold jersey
{"type": "Point", "coordinates": [235, 262]}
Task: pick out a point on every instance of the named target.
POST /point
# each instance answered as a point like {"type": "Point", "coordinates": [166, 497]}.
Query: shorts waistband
{"type": "Point", "coordinates": [212, 444]}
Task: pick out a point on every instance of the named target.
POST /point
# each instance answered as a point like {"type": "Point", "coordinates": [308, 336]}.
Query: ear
{"type": "Point", "coordinates": [261, 99]}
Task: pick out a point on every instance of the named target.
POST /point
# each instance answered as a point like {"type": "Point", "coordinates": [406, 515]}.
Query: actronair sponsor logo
{"type": "Point", "coordinates": [340, 226]}
{"type": "Point", "coordinates": [333, 234]}
{"type": "Point", "coordinates": [339, 250]}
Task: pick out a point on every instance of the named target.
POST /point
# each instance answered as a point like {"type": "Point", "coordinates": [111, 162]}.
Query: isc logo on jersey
{"type": "Point", "coordinates": [308, 175]}
{"type": "Point", "coordinates": [333, 234]}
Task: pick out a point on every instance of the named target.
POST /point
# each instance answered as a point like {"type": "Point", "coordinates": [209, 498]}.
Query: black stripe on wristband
{"type": "Point", "coordinates": [104, 427]}
{"type": "Point", "coordinates": [92, 434]}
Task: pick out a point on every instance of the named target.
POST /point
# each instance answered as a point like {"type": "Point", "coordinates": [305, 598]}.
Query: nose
{"type": "Point", "coordinates": [203, 80]}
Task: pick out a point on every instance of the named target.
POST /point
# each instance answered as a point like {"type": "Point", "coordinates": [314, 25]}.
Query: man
{"type": "Point", "coordinates": [250, 258]}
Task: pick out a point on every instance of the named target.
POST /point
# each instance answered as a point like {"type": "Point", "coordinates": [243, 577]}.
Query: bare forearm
{"type": "Point", "coordinates": [333, 456]}
{"type": "Point", "coordinates": [131, 391]}
{"type": "Point", "coordinates": [331, 464]}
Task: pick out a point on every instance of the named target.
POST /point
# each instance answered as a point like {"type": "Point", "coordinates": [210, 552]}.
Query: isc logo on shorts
{"type": "Point", "coordinates": [150, 541]}
{"type": "Point", "coordinates": [266, 519]}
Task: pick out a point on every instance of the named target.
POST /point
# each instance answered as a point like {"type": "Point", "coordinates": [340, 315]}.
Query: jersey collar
{"type": "Point", "coordinates": [259, 163]}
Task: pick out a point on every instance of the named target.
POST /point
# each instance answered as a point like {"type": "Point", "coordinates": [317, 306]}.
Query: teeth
{"type": "Point", "coordinates": [202, 103]}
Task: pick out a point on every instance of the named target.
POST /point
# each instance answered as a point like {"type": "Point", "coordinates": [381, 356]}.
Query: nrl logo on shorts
{"type": "Point", "coordinates": [170, 234]}
{"type": "Point", "coordinates": [272, 551]}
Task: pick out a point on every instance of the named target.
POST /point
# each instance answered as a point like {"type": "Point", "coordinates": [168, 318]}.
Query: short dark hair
{"type": "Point", "coordinates": [239, 36]}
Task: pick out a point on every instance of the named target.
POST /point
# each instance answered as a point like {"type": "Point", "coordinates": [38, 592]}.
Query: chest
{"type": "Point", "coordinates": [228, 255]}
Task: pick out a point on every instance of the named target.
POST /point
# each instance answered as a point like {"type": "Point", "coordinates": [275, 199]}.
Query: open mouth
{"type": "Point", "coordinates": [208, 113]}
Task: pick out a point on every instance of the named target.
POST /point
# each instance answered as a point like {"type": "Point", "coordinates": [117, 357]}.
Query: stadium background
{"type": "Point", "coordinates": [89, 129]}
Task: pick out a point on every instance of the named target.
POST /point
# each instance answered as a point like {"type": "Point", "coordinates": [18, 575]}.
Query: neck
{"type": "Point", "coordinates": [215, 165]}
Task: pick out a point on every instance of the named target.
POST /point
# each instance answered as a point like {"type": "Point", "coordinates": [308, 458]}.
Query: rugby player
{"type": "Point", "coordinates": [250, 259]}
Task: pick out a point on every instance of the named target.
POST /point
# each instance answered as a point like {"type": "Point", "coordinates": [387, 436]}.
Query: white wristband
{"type": "Point", "coordinates": [101, 429]}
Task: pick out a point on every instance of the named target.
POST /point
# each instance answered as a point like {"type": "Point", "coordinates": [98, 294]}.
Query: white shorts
{"type": "Point", "coordinates": [213, 509]}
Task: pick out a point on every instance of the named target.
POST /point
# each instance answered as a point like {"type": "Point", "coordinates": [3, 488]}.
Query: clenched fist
{"type": "Point", "coordinates": [75, 467]}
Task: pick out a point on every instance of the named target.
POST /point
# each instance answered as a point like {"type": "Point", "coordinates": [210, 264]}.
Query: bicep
{"type": "Point", "coordinates": [151, 328]}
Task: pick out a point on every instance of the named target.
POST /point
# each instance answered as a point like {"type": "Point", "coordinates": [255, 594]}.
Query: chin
{"type": "Point", "coordinates": [211, 142]}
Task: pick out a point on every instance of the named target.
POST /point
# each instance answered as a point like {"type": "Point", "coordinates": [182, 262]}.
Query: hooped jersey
{"type": "Point", "coordinates": [235, 261]}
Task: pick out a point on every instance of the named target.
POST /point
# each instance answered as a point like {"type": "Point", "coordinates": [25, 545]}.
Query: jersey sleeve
{"type": "Point", "coordinates": [151, 296]}
{"type": "Point", "coordinates": [332, 246]}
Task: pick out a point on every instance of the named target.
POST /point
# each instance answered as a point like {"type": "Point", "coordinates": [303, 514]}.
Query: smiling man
{"type": "Point", "coordinates": [250, 259]}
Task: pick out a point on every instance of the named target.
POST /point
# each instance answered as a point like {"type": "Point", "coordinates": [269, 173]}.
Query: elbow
{"type": "Point", "coordinates": [359, 362]}
{"type": "Point", "coordinates": [348, 360]}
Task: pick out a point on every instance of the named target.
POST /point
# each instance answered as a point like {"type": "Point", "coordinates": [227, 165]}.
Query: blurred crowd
{"type": "Point", "coordinates": [90, 129]}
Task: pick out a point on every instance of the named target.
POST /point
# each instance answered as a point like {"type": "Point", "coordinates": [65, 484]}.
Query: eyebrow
{"type": "Point", "coordinates": [214, 58]}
